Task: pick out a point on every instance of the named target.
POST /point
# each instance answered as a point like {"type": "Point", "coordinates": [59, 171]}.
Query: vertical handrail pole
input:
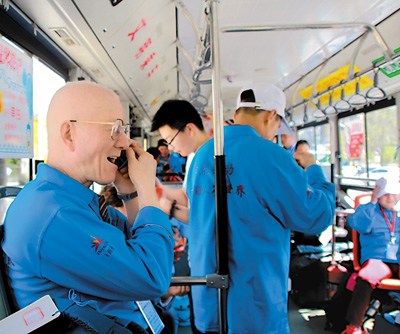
{"type": "Point", "coordinates": [221, 233]}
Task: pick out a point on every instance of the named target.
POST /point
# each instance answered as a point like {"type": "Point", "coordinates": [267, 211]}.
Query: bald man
{"type": "Point", "coordinates": [56, 241]}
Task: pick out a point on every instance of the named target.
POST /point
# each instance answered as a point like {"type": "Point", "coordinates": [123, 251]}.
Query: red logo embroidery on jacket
{"type": "Point", "coordinates": [102, 247]}
{"type": "Point", "coordinates": [240, 191]}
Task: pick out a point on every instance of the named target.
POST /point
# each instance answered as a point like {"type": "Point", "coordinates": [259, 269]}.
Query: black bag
{"type": "Point", "coordinates": [336, 307]}
{"type": "Point", "coordinates": [309, 280]}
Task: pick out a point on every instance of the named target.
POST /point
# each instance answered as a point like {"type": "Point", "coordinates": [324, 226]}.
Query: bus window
{"type": "Point", "coordinates": [323, 155]}
{"type": "Point", "coordinates": [309, 135]}
{"type": "Point", "coordinates": [45, 83]}
{"type": "Point", "coordinates": [382, 145]}
{"type": "Point", "coordinates": [319, 139]}
{"type": "Point", "coordinates": [352, 148]}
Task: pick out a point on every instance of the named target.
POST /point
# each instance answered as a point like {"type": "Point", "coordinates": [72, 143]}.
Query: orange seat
{"type": "Point", "coordinates": [387, 283]}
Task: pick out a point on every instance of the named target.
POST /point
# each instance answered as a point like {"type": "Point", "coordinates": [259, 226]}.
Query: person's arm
{"type": "Point", "coordinates": [171, 194]}
{"type": "Point", "coordinates": [101, 261]}
{"type": "Point", "coordinates": [137, 177]}
{"type": "Point", "coordinates": [174, 210]}
{"type": "Point", "coordinates": [361, 220]}
{"type": "Point", "coordinates": [306, 200]}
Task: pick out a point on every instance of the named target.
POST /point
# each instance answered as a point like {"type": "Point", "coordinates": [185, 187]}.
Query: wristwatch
{"type": "Point", "coordinates": [127, 197]}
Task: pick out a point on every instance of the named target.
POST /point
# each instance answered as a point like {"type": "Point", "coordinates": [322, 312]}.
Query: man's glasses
{"type": "Point", "coordinates": [173, 138]}
{"type": "Point", "coordinates": [118, 127]}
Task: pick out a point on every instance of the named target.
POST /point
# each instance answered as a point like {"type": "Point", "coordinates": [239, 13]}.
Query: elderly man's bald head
{"type": "Point", "coordinates": [80, 100]}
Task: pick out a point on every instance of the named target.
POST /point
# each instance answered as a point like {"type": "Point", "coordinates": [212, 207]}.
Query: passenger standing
{"type": "Point", "coordinates": [378, 224]}
{"type": "Point", "coordinates": [302, 146]}
{"type": "Point", "coordinates": [57, 239]}
{"type": "Point", "coordinates": [169, 162]}
{"type": "Point", "coordinates": [288, 141]}
{"type": "Point", "coordinates": [181, 127]}
{"type": "Point", "coordinates": [268, 196]}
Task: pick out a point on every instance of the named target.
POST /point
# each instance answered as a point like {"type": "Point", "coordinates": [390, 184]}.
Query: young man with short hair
{"type": "Point", "coordinates": [180, 125]}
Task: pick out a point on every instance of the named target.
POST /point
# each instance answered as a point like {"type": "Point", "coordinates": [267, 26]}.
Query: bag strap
{"type": "Point", "coordinates": [88, 318]}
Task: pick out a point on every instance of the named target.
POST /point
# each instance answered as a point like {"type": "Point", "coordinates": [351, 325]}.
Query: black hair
{"type": "Point", "coordinates": [301, 142]}
{"type": "Point", "coordinates": [176, 114]}
{"type": "Point", "coordinates": [247, 96]}
{"type": "Point", "coordinates": [162, 142]}
{"type": "Point", "coordinates": [154, 152]}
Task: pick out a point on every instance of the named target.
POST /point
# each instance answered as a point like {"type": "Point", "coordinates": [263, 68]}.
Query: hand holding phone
{"type": "Point", "coordinates": [122, 160]}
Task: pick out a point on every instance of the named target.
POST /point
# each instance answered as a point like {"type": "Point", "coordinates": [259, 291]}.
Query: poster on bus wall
{"type": "Point", "coordinates": [16, 108]}
{"type": "Point", "coordinates": [357, 140]}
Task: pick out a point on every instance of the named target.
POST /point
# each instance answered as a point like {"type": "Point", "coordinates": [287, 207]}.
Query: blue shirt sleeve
{"type": "Point", "coordinates": [97, 259]}
{"type": "Point", "coordinates": [361, 219]}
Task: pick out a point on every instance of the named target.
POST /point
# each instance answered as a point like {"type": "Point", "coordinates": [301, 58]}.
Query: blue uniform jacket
{"type": "Point", "coordinates": [268, 196]}
{"type": "Point", "coordinates": [374, 232]}
{"type": "Point", "coordinates": [56, 243]}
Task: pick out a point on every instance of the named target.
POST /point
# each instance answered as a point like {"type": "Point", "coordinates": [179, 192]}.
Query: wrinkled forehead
{"type": "Point", "coordinates": [87, 100]}
{"type": "Point", "coordinates": [108, 106]}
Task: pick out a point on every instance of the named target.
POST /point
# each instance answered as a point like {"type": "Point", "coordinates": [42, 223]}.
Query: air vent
{"type": "Point", "coordinates": [65, 36]}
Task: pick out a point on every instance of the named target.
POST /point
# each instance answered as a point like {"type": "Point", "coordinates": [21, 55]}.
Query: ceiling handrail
{"type": "Point", "coordinates": [344, 82]}
{"type": "Point", "coordinates": [378, 37]}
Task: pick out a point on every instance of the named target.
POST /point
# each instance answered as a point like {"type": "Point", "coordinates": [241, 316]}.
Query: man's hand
{"type": "Point", "coordinates": [375, 192]}
{"type": "Point", "coordinates": [304, 159]}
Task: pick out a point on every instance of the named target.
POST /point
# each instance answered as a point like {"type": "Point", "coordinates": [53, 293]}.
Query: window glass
{"type": "Point", "coordinates": [323, 148]}
{"type": "Point", "coordinates": [45, 83]}
{"type": "Point", "coordinates": [352, 148]}
{"type": "Point", "coordinates": [382, 143]}
{"type": "Point", "coordinates": [307, 134]}
{"type": "Point", "coordinates": [323, 144]}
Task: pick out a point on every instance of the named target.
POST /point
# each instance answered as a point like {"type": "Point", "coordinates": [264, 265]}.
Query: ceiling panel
{"type": "Point", "coordinates": [149, 50]}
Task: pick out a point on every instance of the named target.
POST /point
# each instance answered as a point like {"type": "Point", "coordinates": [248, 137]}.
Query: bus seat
{"type": "Point", "coordinates": [6, 307]}
{"type": "Point", "coordinates": [45, 310]}
{"type": "Point", "coordinates": [392, 284]}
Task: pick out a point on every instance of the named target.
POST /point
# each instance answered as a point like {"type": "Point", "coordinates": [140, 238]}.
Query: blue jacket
{"type": "Point", "coordinates": [374, 232]}
{"type": "Point", "coordinates": [268, 196]}
{"type": "Point", "coordinates": [56, 243]}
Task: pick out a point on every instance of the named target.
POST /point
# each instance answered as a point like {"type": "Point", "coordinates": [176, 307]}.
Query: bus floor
{"type": "Point", "coordinates": [301, 320]}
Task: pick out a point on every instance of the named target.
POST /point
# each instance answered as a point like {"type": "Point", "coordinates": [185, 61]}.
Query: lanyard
{"type": "Point", "coordinates": [391, 226]}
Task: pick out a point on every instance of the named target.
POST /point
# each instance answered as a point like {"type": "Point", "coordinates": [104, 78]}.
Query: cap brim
{"type": "Point", "coordinates": [284, 128]}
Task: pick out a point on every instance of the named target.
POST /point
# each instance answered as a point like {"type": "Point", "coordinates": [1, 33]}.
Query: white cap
{"type": "Point", "coordinates": [266, 96]}
{"type": "Point", "coordinates": [387, 187]}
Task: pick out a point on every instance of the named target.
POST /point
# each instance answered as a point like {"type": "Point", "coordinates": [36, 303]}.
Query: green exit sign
{"type": "Point", "coordinates": [392, 69]}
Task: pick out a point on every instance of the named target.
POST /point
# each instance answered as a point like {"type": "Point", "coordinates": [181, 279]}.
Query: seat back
{"type": "Point", "coordinates": [360, 199]}
{"type": "Point", "coordinates": [387, 283]}
{"type": "Point", "coordinates": [6, 304]}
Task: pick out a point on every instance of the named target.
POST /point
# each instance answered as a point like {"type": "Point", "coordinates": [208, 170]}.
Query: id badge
{"type": "Point", "coordinates": [391, 250]}
{"type": "Point", "coordinates": [151, 316]}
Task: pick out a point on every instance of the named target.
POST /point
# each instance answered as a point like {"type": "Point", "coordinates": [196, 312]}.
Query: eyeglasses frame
{"type": "Point", "coordinates": [176, 134]}
{"type": "Point", "coordinates": [124, 126]}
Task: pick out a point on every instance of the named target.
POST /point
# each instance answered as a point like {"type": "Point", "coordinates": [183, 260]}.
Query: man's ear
{"type": "Point", "coordinates": [191, 128]}
{"type": "Point", "coordinates": [235, 115]}
{"type": "Point", "coordinates": [66, 134]}
{"type": "Point", "coordinates": [272, 113]}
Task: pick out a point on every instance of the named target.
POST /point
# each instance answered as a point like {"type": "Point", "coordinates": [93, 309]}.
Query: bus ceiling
{"type": "Point", "coordinates": [151, 51]}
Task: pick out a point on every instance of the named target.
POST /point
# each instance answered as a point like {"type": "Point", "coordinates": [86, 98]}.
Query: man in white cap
{"type": "Point", "coordinates": [378, 224]}
{"type": "Point", "coordinates": [269, 195]}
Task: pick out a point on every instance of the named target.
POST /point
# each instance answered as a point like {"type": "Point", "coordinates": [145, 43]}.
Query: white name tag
{"type": "Point", "coordinates": [391, 251]}
{"type": "Point", "coordinates": [151, 316]}
{"type": "Point", "coordinates": [31, 317]}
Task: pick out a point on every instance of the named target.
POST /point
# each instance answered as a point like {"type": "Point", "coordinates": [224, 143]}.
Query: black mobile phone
{"type": "Point", "coordinates": [122, 160]}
